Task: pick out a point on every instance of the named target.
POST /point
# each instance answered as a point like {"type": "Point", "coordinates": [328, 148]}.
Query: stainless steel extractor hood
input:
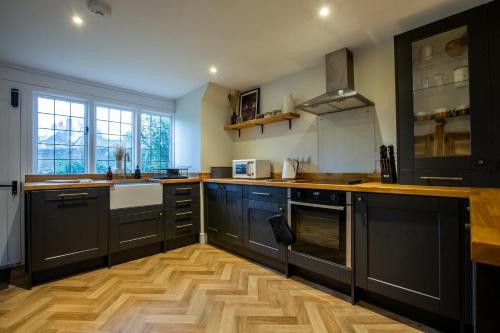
{"type": "Point", "coordinates": [340, 93]}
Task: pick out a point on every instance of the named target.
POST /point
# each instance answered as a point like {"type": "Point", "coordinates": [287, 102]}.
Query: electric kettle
{"type": "Point", "coordinates": [290, 169]}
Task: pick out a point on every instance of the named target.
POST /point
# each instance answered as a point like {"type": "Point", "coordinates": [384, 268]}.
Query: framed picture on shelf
{"type": "Point", "coordinates": [249, 104]}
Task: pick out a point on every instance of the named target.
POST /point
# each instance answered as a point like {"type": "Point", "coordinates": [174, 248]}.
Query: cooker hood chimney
{"type": "Point", "coordinates": [340, 94]}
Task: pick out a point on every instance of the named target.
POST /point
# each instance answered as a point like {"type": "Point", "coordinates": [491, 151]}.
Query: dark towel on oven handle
{"type": "Point", "coordinates": [282, 232]}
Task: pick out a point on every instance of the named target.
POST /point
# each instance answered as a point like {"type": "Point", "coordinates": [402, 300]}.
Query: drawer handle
{"type": "Point", "coordinates": [183, 189]}
{"type": "Point", "coordinates": [183, 201]}
{"type": "Point", "coordinates": [184, 226]}
{"type": "Point", "coordinates": [231, 235]}
{"type": "Point", "coordinates": [262, 194]}
{"type": "Point", "coordinates": [65, 195]}
{"type": "Point", "coordinates": [186, 213]}
{"type": "Point", "coordinates": [213, 229]}
{"type": "Point", "coordinates": [454, 179]}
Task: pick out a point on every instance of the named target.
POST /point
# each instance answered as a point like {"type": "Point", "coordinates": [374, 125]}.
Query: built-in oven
{"type": "Point", "coordinates": [321, 222]}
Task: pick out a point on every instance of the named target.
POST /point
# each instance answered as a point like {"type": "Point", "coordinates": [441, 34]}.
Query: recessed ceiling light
{"type": "Point", "coordinates": [213, 69]}
{"type": "Point", "coordinates": [324, 11]}
{"type": "Point", "coordinates": [77, 20]}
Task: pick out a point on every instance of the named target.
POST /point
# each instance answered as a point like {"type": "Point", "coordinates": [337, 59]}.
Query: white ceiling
{"type": "Point", "coordinates": [165, 47]}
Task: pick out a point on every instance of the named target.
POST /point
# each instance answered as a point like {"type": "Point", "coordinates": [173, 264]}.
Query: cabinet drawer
{"type": "Point", "coordinates": [181, 229]}
{"type": "Point", "coordinates": [71, 194]}
{"type": "Point", "coordinates": [443, 177]}
{"type": "Point", "coordinates": [181, 190]}
{"type": "Point", "coordinates": [181, 201]}
{"type": "Point", "coordinates": [265, 193]}
{"type": "Point", "coordinates": [186, 214]}
{"type": "Point", "coordinates": [136, 227]}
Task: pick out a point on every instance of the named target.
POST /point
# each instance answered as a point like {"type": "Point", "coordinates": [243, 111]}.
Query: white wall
{"type": "Point", "coordinates": [188, 129]}
{"type": "Point", "coordinates": [216, 143]}
{"type": "Point", "coordinates": [374, 78]}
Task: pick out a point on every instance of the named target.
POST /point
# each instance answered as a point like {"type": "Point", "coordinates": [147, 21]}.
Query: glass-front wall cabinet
{"type": "Point", "coordinates": [441, 104]}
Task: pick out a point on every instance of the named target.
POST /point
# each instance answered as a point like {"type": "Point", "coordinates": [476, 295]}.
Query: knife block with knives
{"type": "Point", "coordinates": [388, 165]}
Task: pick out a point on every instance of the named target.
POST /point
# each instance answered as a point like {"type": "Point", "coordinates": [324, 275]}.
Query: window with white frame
{"type": "Point", "coordinates": [61, 140]}
{"type": "Point", "coordinates": [61, 144]}
{"type": "Point", "coordinates": [156, 143]}
{"type": "Point", "coordinates": [114, 127]}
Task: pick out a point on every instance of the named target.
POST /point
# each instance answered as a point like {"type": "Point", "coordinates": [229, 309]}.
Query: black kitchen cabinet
{"type": "Point", "coordinates": [408, 248]}
{"type": "Point", "coordinates": [181, 211]}
{"type": "Point", "coordinates": [443, 101]}
{"type": "Point", "coordinates": [224, 209]}
{"type": "Point", "coordinates": [135, 227]}
{"type": "Point", "coordinates": [494, 25]}
{"type": "Point", "coordinates": [66, 226]}
{"type": "Point", "coordinates": [258, 234]}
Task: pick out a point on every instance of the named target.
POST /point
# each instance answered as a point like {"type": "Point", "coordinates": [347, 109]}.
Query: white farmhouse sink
{"type": "Point", "coordinates": [125, 195]}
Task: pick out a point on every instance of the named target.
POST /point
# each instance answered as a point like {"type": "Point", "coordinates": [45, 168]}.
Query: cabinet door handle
{"type": "Point", "coordinates": [213, 229]}
{"type": "Point", "coordinates": [66, 195]}
{"type": "Point", "coordinates": [186, 213]}
{"type": "Point", "coordinates": [262, 194]}
{"type": "Point", "coordinates": [231, 235]}
{"type": "Point", "coordinates": [184, 226]}
{"type": "Point", "coordinates": [454, 179]}
{"type": "Point", "coordinates": [183, 201]}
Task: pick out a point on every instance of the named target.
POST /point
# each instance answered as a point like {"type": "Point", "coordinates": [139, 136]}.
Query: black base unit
{"type": "Point", "coordinates": [65, 227]}
{"type": "Point", "coordinates": [135, 227]}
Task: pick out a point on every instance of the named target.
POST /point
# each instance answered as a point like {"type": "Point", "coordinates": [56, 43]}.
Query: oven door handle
{"type": "Point", "coordinates": [298, 203]}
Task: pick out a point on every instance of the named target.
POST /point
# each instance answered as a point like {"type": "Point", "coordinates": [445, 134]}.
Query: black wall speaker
{"type": "Point", "coordinates": [14, 97]}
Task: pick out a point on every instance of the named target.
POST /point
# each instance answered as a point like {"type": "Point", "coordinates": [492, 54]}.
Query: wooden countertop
{"type": "Point", "coordinates": [180, 181]}
{"type": "Point", "coordinates": [37, 186]}
{"type": "Point", "coordinates": [484, 207]}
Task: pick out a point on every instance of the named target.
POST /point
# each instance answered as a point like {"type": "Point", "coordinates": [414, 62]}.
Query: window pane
{"type": "Point", "coordinates": [62, 166]}
{"type": "Point", "coordinates": [62, 122]}
{"type": "Point", "coordinates": [114, 115]}
{"type": "Point", "coordinates": [101, 140]}
{"type": "Point", "coordinates": [61, 141]}
{"type": "Point", "coordinates": [126, 129]}
{"type": "Point", "coordinates": [45, 152]}
{"type": "Point", "coordinates": [45, 136]}
{"type": "Point", "coordinates": [46, 166]}
{"type": "Point", "coordinates": [77, 138]}
{"type": "Point", "coordinates": [127, 117]}
{"type": "Point", "coordinates": [102, 113]}
{"type": "Point", "coordinates": [62, 152]}
{"type": "Point", "coordinates": [101, 166]}
{"type": "Point", "coordinates": [45, 105]}
{"type": "Point", "coordinates": [78, 110]}
{"type": "Point", "coordinates": [45, 120]}
{"type": "Point", "coordinates": [77, 152]}
{"type": "Point", "coordinates": [102, 126]}
{"type": "Point", "coordinates": [61, 137]}
{"type": "Point", "coordinates": [77, 124]}
{"type": "Point", "coordinates": [101, 153]}
{"type": "Point", "coordinates": [63, 108]}
{"type": "Point", "coordinates": [114, 128]}
{"type": "Point", "coordinates": [77, 166]}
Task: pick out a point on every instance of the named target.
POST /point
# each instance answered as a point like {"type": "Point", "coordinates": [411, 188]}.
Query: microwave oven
{"type": "Point", "coordinates": [252, 169]}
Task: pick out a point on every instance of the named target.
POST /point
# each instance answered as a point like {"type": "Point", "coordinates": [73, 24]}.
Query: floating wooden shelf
{"type": "Point", "coordinates": [264, 121]}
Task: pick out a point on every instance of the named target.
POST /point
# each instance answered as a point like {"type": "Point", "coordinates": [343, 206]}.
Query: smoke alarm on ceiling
{"type": "Point", "coordinates": [98, 7]}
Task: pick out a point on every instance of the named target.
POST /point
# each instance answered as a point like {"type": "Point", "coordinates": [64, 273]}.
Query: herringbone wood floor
{"type": "Point", "coordinates": [194, 289]}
